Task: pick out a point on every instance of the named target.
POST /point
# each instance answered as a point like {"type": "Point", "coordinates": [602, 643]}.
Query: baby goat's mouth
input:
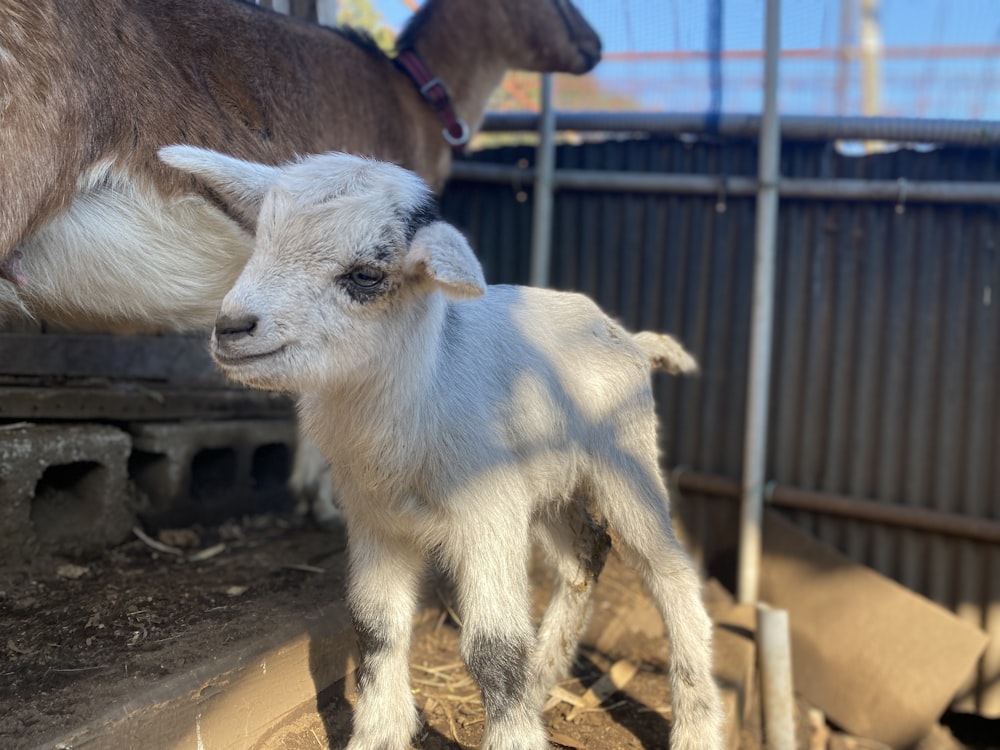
{"type": "Point", "coordinates": [228, 359]}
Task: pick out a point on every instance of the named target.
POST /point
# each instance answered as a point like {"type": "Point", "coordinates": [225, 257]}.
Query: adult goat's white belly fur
{"type": "Point", "coordinates": [123, 258]}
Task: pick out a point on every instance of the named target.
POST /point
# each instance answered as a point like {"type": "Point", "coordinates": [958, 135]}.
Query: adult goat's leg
{"type": "Point", "coordinates": [576, 548]}
{"type": "Point", "coordinates": [382, 596]}
{"type": "Point", "coordinates": [636, 507]}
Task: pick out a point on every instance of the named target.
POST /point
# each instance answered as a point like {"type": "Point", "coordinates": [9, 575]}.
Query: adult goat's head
{"type": "Point", "coordinates": [347, 253]}
{"type": "Point", "coordinates": [559, 36]}
{"type": "Point", "coordinates": [539, 35]}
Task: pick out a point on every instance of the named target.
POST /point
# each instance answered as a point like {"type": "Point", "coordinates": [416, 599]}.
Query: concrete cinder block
{"type": "Point", "coordinates": [209, 470]}
{"type": "Point", "coordinates": [63, 488]}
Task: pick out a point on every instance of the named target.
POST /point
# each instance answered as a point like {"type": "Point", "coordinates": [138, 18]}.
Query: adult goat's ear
{"type": "Point", "coordinates": [441, 254]}
{"type": "Point", "coordinates": [242, 185]}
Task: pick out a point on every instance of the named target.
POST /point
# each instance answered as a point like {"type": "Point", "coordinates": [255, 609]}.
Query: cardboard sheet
{"type": "Point", "coordinates": [880, 660]}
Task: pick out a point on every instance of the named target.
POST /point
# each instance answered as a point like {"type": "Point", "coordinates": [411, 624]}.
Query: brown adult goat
{"type": "Point", "coordinates": [96, 232]}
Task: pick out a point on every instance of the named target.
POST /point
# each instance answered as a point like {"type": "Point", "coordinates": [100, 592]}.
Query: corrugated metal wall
{"type": "Point", "coordinates": [887, 339]}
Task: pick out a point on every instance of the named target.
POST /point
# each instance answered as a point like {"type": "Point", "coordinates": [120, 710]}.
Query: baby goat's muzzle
{"type": "Point", "coordinates": [238, 338]}
{"type": "Point", "coordinates": [233, 328]}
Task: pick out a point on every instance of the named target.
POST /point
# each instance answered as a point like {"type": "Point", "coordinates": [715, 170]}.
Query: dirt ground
{"type": "Point", "coordinates": [79, 636]}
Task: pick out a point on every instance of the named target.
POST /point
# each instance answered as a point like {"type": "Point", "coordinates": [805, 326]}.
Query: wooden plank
{"type": "Point", "coordinates": [126, 402]}
{"type": "Point", "coordinates": [174, 358]}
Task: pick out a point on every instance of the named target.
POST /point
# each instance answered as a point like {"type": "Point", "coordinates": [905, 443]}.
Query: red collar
{"type": "Point", "coordinates": [455, 132]}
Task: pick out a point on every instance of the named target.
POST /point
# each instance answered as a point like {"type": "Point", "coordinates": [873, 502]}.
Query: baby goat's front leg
{"type": "Point", "coordinates": [384, 586]}
{"type": "Point", "coordinates": [489, 561]}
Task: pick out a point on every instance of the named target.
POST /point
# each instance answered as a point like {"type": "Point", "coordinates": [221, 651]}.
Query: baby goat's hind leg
{"type": "Point", "coordinates": [576, 548]}
{"type": "Point", "coordinates": [637, 510]}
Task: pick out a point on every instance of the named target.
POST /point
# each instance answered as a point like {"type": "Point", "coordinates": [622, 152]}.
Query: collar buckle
{"type": "Point", "coordinates": [435, 93]}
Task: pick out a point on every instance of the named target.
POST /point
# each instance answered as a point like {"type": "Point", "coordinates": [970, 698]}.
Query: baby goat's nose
{"type": "Point", "coordinates": [235, 327]}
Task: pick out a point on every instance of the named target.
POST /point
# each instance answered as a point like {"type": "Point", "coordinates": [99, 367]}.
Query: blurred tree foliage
{"type": "Point", "coordinates": [361, 15]}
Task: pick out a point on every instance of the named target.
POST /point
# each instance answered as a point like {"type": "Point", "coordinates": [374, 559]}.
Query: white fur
{"type": "Point", "coordinates": [461, 422]}
{"type": "Point", "coordinates": [88, 260]}
{"type": "Point", "coordinates": [313, 484]}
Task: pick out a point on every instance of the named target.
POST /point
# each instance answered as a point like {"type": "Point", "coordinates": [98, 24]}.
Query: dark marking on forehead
{"type": "Point", "coordinates": [425, 213]}
{"type": "Point", "coordinates": [383, 252]}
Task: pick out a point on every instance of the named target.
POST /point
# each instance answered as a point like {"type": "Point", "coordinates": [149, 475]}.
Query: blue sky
{"type": "Point", "coordinates": [962, 86]}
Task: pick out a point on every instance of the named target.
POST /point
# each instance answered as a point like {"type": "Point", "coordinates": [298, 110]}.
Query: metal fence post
{"type": "Point", "coordinates": [541, 222]}
{"type": "Point", "coordinates": [777, 691]}
{"type": "Point", "coordinates": [762, 320]}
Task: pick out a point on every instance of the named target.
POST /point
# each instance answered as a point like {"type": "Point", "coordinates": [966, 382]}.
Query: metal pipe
{"type": "Point", "coordinates": [899, 191]}
{"type": "Point", "coordinates": [761, 321]}
{"type": "Point", "coordinates": [777, 697]}
{"type": "Point", "coordinates": [970, 528]}
{"type": "Point", "coordinates": [793, 127]}
{"type": "Point", "coordinates": [894, 191]}
{"type": "Point", "coordinates": [545, 159]}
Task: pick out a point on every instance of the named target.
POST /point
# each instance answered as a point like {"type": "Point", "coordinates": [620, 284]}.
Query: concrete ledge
{"type": "Point", "coordinates": [233, 702]}
{"type": "Point", "coordinates": [128, 402]}
{"type": "Point", "coordinates": [177, 358]}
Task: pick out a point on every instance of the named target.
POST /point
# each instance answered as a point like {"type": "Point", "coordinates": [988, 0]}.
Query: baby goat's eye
{"type": "Point", "coordinates": [366, 277]}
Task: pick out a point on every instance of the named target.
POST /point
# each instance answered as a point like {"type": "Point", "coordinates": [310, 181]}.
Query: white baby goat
{"type": "Point", "coordinates": [462, 422]}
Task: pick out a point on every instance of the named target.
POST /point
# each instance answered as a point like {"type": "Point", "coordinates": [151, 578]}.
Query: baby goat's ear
{"type": "Point", "coordinates": [441, 254]}
{"type": "Point", "coordinates": [241, 184]}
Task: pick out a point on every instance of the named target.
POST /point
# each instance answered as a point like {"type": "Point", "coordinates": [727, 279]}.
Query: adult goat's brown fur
{"type": "Point", "coordinates": [96, 232]}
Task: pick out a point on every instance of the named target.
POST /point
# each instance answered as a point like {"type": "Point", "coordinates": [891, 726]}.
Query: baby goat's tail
{"type": "Point", "coordinates": [665, 353]}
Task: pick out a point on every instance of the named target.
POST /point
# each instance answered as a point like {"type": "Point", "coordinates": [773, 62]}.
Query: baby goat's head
{"type": "Point", "coordinates": [347, 251]}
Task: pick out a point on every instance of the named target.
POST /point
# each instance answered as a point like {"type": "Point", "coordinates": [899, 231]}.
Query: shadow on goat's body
{"type": "Point", "coordinates": [565, 444]}
{"type": "Point", "coordinates": [462, 422]}
{"type": "Point", "coordinates": [549, 416]}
